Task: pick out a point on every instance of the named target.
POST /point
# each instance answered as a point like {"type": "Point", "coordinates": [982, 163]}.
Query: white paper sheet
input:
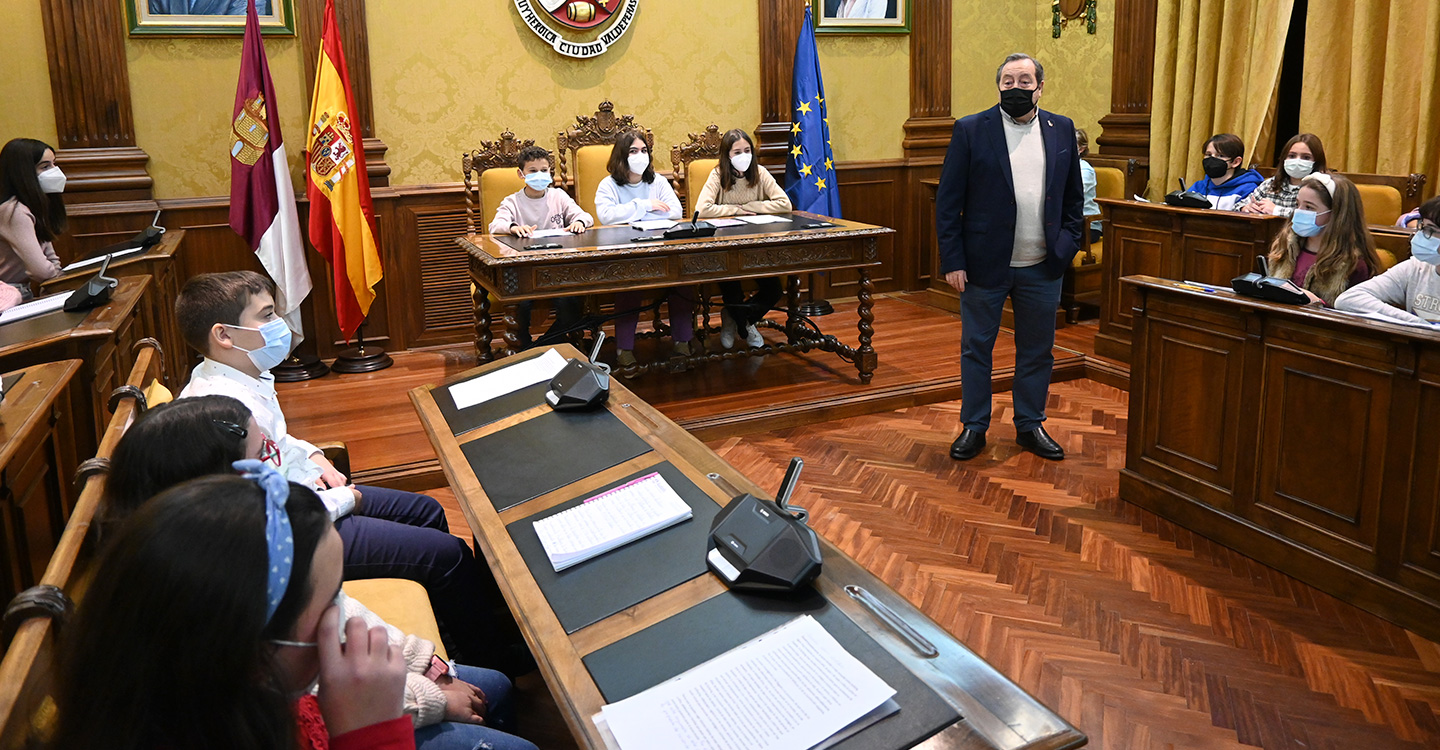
{"type": "Point", "coordinates": [722, 223]}
{"type": "Point", "coordinates": [79, 264]}
{"type": "Point", "coordinates": [541, 234]}
{"type": "Point", "coordinates": [34, 307]}
{"type": "Point", "coordinates": [1393, 321]}
{"type": "Point", "coordinates": [762, 219]}
{"type": "Point", "coordinates": [652, 225]}
{"type": "Point", "coordinates": [790, 688]}
{"type": "Point", "coordinates": [507, 380]}
{"type": "Point", "coordinates": [613, 519]}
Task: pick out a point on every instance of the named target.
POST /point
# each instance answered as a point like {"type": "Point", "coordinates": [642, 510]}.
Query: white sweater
{"type": "Point", "coordinates": [622, 204]}
{"type": "Point", "coordinates": [1407, 293]}
{"type": "Point", "coordinates": [1027, 166]}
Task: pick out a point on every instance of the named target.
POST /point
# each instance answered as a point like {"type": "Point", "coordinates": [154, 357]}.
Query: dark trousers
{"type": "Point", "coordinates": [400, 534]}
{"type": "Point", "coordinates": [1035, 298]}
{"type": "Point", "coordinates": [567, 314]}
{"type": "Point", "coordinates": [748, 312]}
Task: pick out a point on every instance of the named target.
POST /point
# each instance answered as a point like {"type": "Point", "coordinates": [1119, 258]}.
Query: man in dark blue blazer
{"type": "Point", "coordinates": [1009, 220]}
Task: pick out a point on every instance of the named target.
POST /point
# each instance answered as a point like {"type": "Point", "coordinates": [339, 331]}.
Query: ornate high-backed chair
{"type": "Point", "coordinates": [584, 151]}
{"type": "Point", "coordinates": [693, 162]}
{"type": "Point", "coordinates": [490, 175]}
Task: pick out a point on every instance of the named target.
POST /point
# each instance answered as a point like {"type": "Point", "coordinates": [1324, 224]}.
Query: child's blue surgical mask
{"type": "Point", "coordinates": [1303, 222]}
{"type": "Point", "coordinates": [537, 180]}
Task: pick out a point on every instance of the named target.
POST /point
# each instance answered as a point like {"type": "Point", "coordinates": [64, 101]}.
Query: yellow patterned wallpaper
{"type": "Point", "coordinates": [867, 88]}
{"type": "Point", "coordinates": [28, 111]}
{"type": "Point", "coordinates": [1077, 65]}
{"type": "Point", "coordinates": [183, 91]}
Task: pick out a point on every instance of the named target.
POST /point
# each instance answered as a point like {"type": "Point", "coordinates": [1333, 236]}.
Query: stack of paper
{"type": "Point", "coordinates": [794, 687]}
{"type": "Point", "coordinates": [34, 307]}
{"type": "Point", "coordinates": [763, 219]}
{"type": "Point", "coordinates": [507, 380]}
{"type": "Point", "coordinates": [541, 234]}
{"type": "Point", "coordinates": [609, 520]}
{"type": "Point", "coordinates": [652, 224]}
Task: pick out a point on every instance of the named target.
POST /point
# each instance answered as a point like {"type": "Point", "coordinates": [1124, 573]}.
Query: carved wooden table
{"type": "Point", "coordinates": [606, 260]}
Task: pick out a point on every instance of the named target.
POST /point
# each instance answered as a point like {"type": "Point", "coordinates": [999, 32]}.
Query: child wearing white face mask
{"type": "Point", "coordinates": [739, 186]}
{"type": "Point", "coordinates": [1304, 155]}
{"type": "Point", "coordinates": [32, 214]}
{"type": "Point", "coordinates": [1409, 292]}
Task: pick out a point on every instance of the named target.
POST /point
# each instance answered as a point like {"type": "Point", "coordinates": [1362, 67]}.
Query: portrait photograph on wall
{"type": "Point", "coordinates": [206, 17]}
{"type": "Point", "coordinates": [862, 16]}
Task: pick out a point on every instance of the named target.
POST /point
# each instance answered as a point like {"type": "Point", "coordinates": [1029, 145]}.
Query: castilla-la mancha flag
{"type": "Point", "coordinates": [342, 218]}
{"type": "Point", "coordinates": [262, 199]}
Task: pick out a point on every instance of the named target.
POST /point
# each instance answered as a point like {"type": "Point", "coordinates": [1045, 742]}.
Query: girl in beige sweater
{"type": "Point", "coordinates": [739, 186]}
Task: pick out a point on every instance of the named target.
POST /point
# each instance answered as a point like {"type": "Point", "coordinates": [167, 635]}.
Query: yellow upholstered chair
{"type": "Point", "coordinates": [693, 161]}
{"type": "Point", "coordinates": [584, 151]}
{"type": "Point", "coordinates": [490, 176]}
{"type": "Point", "coordinates": [1383, 204]}
{"type": "Point", "coordinates": [401, 603]}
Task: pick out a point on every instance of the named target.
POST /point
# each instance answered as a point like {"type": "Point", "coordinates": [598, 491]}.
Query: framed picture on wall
{"type": "Point", "coordinates": [861, 16]}
{"type": "Point", "coordinates": [207, 17]}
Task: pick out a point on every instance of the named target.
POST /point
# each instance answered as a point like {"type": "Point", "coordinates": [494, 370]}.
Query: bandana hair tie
{"type": "Point", "coordinates": [279, 541]}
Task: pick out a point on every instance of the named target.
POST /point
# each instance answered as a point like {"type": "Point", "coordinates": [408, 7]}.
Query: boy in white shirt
{"type": "Point", "coordinates": [540, 206]}
{"type": "Point", "coordinates": [230, 318]}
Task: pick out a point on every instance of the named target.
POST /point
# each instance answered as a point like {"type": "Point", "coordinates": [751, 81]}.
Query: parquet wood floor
{"type": "Point", "coordinates": [1139, 632]}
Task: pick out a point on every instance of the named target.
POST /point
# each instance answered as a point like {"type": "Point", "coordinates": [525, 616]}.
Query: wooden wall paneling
{"type": "Point", "coordinates": [874, 193]}
{"type": "Point", "coordinates": [1126, 130]}
{"type": "Point", "coordinates": [436, 276]}
{"type": "Point", "coordinates": [1419, 567]}
{"type": "Point", "coordinates": [355, 39]}
{"type": "Point", "coordinates": [90, 85]}
{"type": "Point", "coordinates": [927, 131]}
{"type": "Point", "coordinates": [780, 22]}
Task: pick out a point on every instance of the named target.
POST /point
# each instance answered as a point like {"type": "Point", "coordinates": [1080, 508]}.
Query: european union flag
{"type": "Point", "coordinates": [810, 173]}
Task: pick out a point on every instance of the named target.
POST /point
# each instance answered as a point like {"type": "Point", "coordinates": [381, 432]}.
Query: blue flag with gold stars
{"type": "Point", "coordinates": [810, 172]}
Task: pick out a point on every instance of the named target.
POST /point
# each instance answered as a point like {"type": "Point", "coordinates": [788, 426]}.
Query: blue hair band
{"type": "Point", "coordinates": [279, 541]}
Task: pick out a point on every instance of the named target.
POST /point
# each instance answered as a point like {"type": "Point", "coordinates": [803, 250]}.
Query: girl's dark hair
{"type": "Point", "coordinates": [18, 180]}
{"type": "Point", "coordinates": [168, 648]}
{"type": "Point", "coordinates": [620, 158]}
{"type": "Point", "coordinates": [1228, 146]}
{"type": "Point", "coordinates": [1431, 209]}
{"type": "Point", "coordinates": [727, 173]}
{"type": "Point", "coordinates": [172, 443]}
{"type": "Point", "coordinates": [1317, 150]}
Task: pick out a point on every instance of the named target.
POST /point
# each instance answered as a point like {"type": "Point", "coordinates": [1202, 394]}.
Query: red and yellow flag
{"type": "Point", "coordinates": [342, 217]}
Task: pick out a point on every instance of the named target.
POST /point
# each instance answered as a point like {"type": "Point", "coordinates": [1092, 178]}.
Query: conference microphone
{"type": "Point", "coordinates": [1183, 198]}
{"type": "Point", "coordinates": [695, 228]}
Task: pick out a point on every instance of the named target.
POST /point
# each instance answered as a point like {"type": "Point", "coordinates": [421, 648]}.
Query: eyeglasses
{"type": "Point", "coordinates": [269, 451]}
{"type": "Point", "coordinates": [1429, 230]}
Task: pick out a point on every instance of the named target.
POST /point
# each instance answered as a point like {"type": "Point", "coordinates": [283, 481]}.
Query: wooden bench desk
{"type": "Point", "coordinates": [605, 260]}
{"type": "Point", "coordinates": [995, 713]}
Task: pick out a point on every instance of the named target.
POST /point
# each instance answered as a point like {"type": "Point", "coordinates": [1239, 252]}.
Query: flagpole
{"type": "Point", "coordinates": [360, 358]}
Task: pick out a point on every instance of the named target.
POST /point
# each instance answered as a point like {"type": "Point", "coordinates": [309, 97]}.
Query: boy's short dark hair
{"type": "Point", "coordinates": [531, 153]}
{"type": "Point", "coordinates": [1228, 146]}
{"type": "Point", "coordinates": [212, 298]}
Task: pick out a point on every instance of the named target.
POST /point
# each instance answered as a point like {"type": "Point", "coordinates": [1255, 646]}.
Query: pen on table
{"type": "Point", "coordinates": [888, 616]}
{"type": "Point", "coordinates": [1196, 286]}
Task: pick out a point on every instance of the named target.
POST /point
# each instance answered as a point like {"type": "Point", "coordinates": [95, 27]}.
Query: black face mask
{"type": "Point", "coordinates": [1017, 102]}
{"type": "Point", "coordinates": [1215, 167]}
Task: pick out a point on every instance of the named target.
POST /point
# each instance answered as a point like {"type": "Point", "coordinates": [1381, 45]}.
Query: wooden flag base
{"type": "Point", "coordinates": [361, 358]}
{"type": "Point", "coordinates": [814, 308]}
{"type": "Point", "coordinates": [298, 367]}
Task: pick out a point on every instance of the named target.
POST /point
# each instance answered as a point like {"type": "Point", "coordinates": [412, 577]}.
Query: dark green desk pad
{"type": "Point", "coordinates": [522, 462]}
{"type": "Point", "coordinates": [624, 234]}
{"type": "Point", "coordinates": [464, 420]}
{"type": "Point", "coordinates": [621, 578]}
{"type": "Point", "coordinates": [706, 630]}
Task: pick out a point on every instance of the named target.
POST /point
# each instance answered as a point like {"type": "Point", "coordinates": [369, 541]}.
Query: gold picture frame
{"type": "Point", "coordinates": [870, 16]}
{"type": "Point", "coordinates": [154, 17]}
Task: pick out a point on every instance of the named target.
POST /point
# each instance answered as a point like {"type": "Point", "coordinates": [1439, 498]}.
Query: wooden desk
{"type": "Point", "coordinates": [620, 265]}
{"type": "Point", "coordinates": [103, 339]}
{"type": "Point", "coordinates": [1154, 239]}
{"type": "Point", "coordinates": [37, 462]}
{"type": "Point", "coordinates": [1304, 438]}
{"type": "Point", "coordinates": [162, 263]}
{"type": "Point", "coordinates": [996, 712]}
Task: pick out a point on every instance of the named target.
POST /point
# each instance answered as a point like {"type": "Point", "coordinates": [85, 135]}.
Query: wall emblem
{"type": "Point", "coordinates": [578, 28]}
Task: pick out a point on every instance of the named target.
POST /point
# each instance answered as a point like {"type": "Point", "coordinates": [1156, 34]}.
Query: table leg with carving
{"type": "Point", "coordinates": [792, 307]}
{"type": "Point", "coordinates": [480, 303]}
{"type": "Point", "coordinates": [865, 358]}
{"type": "Point", "coordinates": [512, 333]}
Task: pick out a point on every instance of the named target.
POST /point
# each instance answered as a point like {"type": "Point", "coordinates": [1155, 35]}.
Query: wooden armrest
{"type": "Point", "coordinates": [337, 454]}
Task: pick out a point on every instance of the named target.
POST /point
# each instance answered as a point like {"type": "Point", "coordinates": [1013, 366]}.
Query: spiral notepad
{"type": "Point", "coordinates": [610, 520]}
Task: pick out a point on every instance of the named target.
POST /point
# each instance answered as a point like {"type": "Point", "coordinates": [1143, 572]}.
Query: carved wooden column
{"type": "Point", "coordinates": [90, 84]}
{"type": "Point", "coordinates": [355, 38]}
{"type": "Point", "coordinates": [1126, 130]}
{"type": "Point", "coordinates": [780, 22]}
{"type": "Point", "coordinates": [927, 132]}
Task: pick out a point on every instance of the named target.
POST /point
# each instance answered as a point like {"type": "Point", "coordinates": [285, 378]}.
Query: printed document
{"type": "Point", "coordinates": [541, 234]}
{"type": "Point", "coordinates": [609, 520]}
{"type": "Point", "coordinates": [34, 308]}
{"type": "Point", "coordinates": [507, 380]}
{"type": "Point", "coordinates": [763, 219]}
{"type": "Point", "coordinates": [652, 224]}
{"type": "Point", "coordinates": [793, 687]}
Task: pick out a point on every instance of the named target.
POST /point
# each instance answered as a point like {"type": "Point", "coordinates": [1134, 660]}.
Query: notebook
{"type": "Point", "coordinates": [611, 519]}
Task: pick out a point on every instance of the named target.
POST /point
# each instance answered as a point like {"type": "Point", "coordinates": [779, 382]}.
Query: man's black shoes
{"type": "Point", "coordinates": [968, 445]}
{"type": "Point", "coordinates": [1036, 441]}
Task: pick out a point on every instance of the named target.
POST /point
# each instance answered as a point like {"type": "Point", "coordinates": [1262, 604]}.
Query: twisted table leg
{"type": "Point", "coordinates": [480, 303]}
{"type": "Point", "coordinates": [865, 358]}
